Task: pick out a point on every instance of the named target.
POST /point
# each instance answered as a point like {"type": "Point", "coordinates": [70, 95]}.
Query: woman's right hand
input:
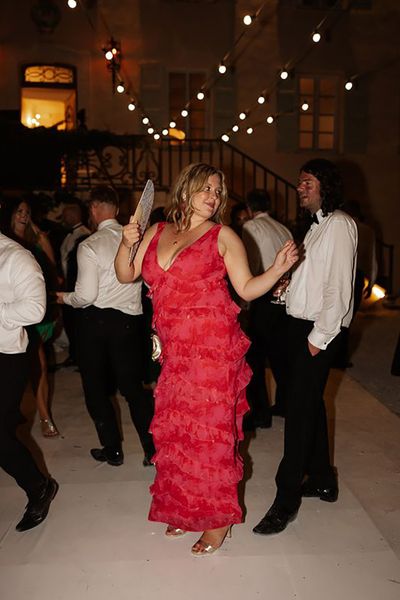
{"type": "Point", "coordinates": [131, 234]}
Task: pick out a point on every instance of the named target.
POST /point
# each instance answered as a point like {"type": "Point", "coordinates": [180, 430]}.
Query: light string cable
{"type": "Point", "coordinates": [330, 20]}
{"type": "Point", "coordinates": [226, 62]}
{"type": "Point", "coordinates": [124, 85]}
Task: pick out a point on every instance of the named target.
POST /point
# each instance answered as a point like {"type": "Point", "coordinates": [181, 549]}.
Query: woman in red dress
{"type": "Point", "coordinates": [200, 398]}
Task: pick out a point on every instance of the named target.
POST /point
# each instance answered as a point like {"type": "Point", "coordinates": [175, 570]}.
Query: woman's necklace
{"type": "Point", "coordinates": [181, 233]}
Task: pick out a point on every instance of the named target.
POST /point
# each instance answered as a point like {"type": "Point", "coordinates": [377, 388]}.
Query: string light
{"type": "Point", "coordinates": [131, 106]}
{"type": "Point", "coordinates": [172, 124]}
{"type": "Point", "coordinates": [235, 128]}
{"type": "Point", "coordinates": [261, 99]}
{"type": "Point", "coordinates": [348, 85]}
{"type": "Point", "coordinates": [150, 130]}
{"type": "Point", "coordinates": [165, 131]}
{"type": "Point", "coordinates": [316, 37]}
{"type": "Point", "coordinates": [284, 74]}
{"type": "Point", "coordinates": [270, 119]}
{"type": "Point", "coordinates": [145, 120]}
{"type": "Point", "coordinates": [184, 113]}
{"type": "Point", "coordinates": [72, 3]}
{"type": "Point", "coordinates": [156, 136]}
{"type": "Point", "coordinates": [242, 116]}
{"type": "Point", "coordinates": [248, 19]}
{"type": "Point", "coordinates": [225, 137]}
{"type": "Point", "coordinates": [109, 55]}
{"type": "Point", "coordinates": [120, 87]}
{"type": "Point", "coordinates": [305, 106]}
{"type": "Point", "coordinates": [222, 68]}
{"type": "Point", "coordinates": [200, 96]}
{"type": "Point", "coordinates": [249, 130]}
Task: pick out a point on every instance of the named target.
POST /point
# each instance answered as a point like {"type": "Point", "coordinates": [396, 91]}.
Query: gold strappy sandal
{"type": "Point", "coordinates": [202, 548]}
{"type": "Point", "coordinates": [174, 532]}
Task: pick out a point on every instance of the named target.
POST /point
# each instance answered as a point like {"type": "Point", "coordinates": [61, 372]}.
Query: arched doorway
{"type": "Point", "coordinates": [48, 96]}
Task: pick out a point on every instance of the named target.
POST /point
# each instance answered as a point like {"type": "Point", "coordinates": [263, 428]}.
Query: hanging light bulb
{"type": "Point", "coordinates": [305, 106]}
{"type": "Point", "coordinates": [72, 3]}
{"type": "Point", "coordinates": [261, 99]}
{"type": "Point", "coordinates": [184, 112]}
{"type": "Point", "coordinates": [248, 19]}
{"type": "Point", "coordinates": [200, 96]}
{"type": "Point", "coordinates": [242, 116]}
{"type": "Point", "coordinates": [270, 119]}
{"type": "Point", "coordinates": [150, 130]}
{"type": "Point", "coordinates": [222, 68]}
{"type": "Point", "coordinates": [172, 124]}
{"type": "Point", "coordinates": [131, 106]}
{"type": "Point", "coordinates": [108, 54]}
{"type": "Point", "coordinates": [120, 88]}
{"type": "Point", "coordinates": [225, 137]}
{"type": "Point", "coordinates": [156, 136]}
{"type": "Point", "coordinates": [145, 120]}
{"type": "Point", "coordinates": [249, 130]}
{"type": "Point", "coordinates": [284, 74]}
{"type": "Point", "coordinates": [348, 85]}
{"type": "Point", "coordinates": [235, 128]}
{"type": "Point", "coordinates": [165, 131]}
{"type": "Point", "coordinates": [316, 37]}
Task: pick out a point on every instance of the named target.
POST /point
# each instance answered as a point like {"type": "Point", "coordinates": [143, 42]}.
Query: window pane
{"type": "Point", "coordinates": [327, 87]}
{"type": "Point", "coordinates": [306, 85]}
{"type": "Point", "coordinates": [325, 141]}
{"type": "Point", "coordinates": [326, 124]}
{"type": "Point", "coordinates": [306, 122]}
{"type": "Point", "coordinates": [327, 106]}
{"type": "Point", "coordinates": [306, 140]}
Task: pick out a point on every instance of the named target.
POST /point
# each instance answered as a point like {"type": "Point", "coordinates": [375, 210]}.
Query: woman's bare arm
{"type": "Point", "coordinates": [248, 287]}
{"type": "Point", "coordinates": [126, 273]}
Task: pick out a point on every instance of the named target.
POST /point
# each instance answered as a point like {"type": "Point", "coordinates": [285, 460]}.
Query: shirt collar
{"type": "Point", "coordinates": [318, 217]}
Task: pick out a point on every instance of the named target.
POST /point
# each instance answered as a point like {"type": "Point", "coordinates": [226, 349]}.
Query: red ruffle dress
{"type": "Point", "coordinates": [200, 398]}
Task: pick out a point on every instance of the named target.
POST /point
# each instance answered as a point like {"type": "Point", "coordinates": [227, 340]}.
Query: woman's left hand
{"type": "Point", "coordinates": [287, 256]}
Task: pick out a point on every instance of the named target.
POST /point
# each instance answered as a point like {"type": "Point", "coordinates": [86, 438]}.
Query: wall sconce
{"type": "Point", "coordinates": [112, 54]}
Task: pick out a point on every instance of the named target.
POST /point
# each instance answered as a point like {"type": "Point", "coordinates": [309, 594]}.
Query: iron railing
{"type": "Point", "coordinates": [130, 163]}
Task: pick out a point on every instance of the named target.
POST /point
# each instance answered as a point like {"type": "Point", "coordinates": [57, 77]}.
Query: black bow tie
{"type": "Point", "coordinates": [314, 218]}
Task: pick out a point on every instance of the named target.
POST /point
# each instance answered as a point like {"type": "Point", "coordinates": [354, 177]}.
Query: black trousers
{"type": "Point", "coordinates": [268, 324]}
{"type": "Point", "coordinates": [70, 315]}
{"type": "Point", "coordinates": [110, 356]}
{"type": "Point", "coordinates": [15, 458]}
{"type": "Point", "coordinates": [306, 445]}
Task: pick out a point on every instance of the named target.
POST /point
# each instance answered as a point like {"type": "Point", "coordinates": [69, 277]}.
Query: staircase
{"type": "Point", "coordinates": [128, 164]}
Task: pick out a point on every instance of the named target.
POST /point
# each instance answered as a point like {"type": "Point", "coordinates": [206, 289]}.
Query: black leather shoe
{"type": "Point", "coordinates": [275, 520]}
{"type": "Point", "coordinates": [38, 506]}
{"type": "Point", "coordinates": [112, 456]}
{"type": "Point", "coordinates": [327, 494]}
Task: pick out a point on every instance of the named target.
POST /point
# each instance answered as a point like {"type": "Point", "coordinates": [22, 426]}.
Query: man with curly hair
{"type": "Point", "coordinates": [319, 303]}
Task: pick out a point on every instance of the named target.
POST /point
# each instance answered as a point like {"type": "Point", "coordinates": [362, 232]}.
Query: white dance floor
{"type": "Point", "coordinates": [97, 544]}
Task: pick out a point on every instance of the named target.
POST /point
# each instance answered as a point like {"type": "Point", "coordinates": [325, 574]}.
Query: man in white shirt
{"type": "Point", "coordinates": [319, 304]}
{"type": "Point", "coordinates": [263, 236]}
{"type": "Point", "coordinates": [109, 333]}
{"type": "Point", "coordinates": [72, 218]}
{"type": "Point", "coordinates": [22, 303]}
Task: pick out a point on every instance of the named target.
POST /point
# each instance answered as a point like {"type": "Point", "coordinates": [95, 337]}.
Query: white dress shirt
{"type": "Point", "coordinates": [263, 237]}
{"type": "Point", "coordinates": [321, 288]}
{"type": "Point", "coordinates": [69, 242]}
{"type": "Point", "coordinates": [97, 283]}
{"type": "Point", "coordinates": [22, 295]}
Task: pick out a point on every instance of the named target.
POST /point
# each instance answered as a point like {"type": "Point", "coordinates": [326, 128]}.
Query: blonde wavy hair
{"type": "Point", "coordinates": [192, 180]}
